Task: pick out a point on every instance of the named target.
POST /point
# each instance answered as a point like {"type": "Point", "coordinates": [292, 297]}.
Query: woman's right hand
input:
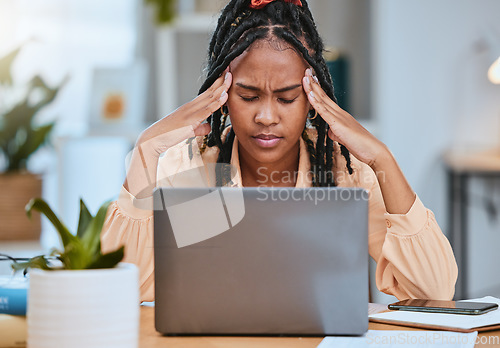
{"type": "Point", "coordinates": [187, 120]}
{"type": "Point", "coordinates": [183, 123]}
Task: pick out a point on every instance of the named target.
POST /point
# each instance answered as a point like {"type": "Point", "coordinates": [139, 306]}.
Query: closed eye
{"type": "Point", "coordinates": [287, 101]}
{"type": "Point", "coordinates": [248, 99]}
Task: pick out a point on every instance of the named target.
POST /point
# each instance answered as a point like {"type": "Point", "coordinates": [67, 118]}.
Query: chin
{"type": "Point", "coordinates": [267, 156]}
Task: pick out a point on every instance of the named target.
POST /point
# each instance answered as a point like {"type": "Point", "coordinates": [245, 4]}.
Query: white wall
{"type": "Point", "coordinates": [430, 92]}
{"type": "Point", "coordinates": [345, 25]}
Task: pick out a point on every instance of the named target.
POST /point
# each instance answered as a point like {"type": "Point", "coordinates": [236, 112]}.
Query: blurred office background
{"type": "Point", "coordinates": [416, 78]}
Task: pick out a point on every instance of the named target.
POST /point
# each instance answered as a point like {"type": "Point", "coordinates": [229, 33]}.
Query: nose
{"type": "Point", "coordinates": [267, 115]}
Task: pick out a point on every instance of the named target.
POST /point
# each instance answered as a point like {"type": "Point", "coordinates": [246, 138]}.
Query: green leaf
{"type": "Point", "coordinates": [85, 219]}
{"type": "Point", "coordinates": [41, 206]}
{"type": "Point", "coordinates": [82, 251]}
{"type": "Point", "coordinates": [92, 236]}
{"type": "Point", "coordinates": [19, 137]}
{"type": "Point", "coordinates": [49, 94]}
{"type": "Point", "coordinates": [75, 256]}
{"type": "Point", "coordinates": [108, 260]}
{"type": "Point", "coordinates": [18, 117]}
{"type": "Point", "coordinates": [165, 10]}
{"type": "Point", "coordinates": [15, 122]}
{"type": "Point", "coordinates": [5, 66]}
{"type": "Point", "coordinates": [35, 262]}
{"type": "Point", "coordinates": [34, 140]}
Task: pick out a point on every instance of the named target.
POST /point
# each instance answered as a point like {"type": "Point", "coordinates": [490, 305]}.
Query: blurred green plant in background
{"type": "Point", "coordinates": [20, 136]}
{"type": "Point", "coordinates": [165, 10]}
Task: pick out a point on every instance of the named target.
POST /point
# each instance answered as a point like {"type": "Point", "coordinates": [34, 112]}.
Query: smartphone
{"type": "Point", "coordinates": [450, 307]}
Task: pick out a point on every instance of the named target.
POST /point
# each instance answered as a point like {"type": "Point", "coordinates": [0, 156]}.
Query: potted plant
{"type": "Point", "coordinates": [80, 296]}
{"type": "Point", "coordinates": [20, 137]}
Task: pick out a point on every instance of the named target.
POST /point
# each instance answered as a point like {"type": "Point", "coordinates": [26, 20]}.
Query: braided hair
{"type": "Point", "coordinates": [238, 27]}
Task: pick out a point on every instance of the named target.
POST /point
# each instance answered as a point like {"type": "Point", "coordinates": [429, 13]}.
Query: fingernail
{"type": "Point", "coordinates": [311, 94]}
{"type": "Point", "coordinates": [226, 76]}
{"type": "Point", "coordinates": [223, 95]}
{"type": "Point", "coordinates": [316, 79]}
{"type": "Point", "coordinates": [308, 71]}
{"type": "Point", "coordinates": [308, 80]}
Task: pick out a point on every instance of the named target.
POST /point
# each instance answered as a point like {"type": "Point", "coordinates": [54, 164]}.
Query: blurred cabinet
{"type": "Point", "coordinates": [181, 56]}
{"type": "Point", "coordinates": [91, 168]}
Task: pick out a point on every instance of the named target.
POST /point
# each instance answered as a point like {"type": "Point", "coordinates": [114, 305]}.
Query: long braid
{"type": "Point", "coordinates": [224, 60]}
{"type": "Point", "coordinates": [312, 154]}
{"type": "Point", "coordinates": [223, 120]}
{"type": "Point", "coordinates": [223, 172]}
{"type": "Point", "coordinates": [237, 29]}
{"type": "Point", "coordinates": [324, 154]}
{"type": "Point", "coordinates": [235, 35]}
{"type": "Point", "coordinates": [214, 138]}
{"type": "Point", "coordinates": [226, 18]}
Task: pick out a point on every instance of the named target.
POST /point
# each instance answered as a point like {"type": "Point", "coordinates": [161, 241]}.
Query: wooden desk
{"type": "Point", "coordinates": [461, 167]}
{"type": "Point", "coordinates": [149, 338]}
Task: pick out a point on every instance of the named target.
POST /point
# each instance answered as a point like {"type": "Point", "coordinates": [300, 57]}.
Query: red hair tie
{"type": "Point", "coordinates": [258, 4]}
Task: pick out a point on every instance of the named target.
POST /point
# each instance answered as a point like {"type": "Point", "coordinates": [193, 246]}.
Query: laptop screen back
{"type": "Point", "coordinates": [279, 261]}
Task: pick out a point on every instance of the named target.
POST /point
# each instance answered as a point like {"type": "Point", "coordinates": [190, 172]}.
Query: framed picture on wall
{"type": "Point", "coordinates": [118, 100]}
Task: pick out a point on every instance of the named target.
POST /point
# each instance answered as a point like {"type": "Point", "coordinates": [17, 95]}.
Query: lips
{"type": "Point", "coordinates": [267, 140]}
{"type": "Point", "coordinates": [267, 136]}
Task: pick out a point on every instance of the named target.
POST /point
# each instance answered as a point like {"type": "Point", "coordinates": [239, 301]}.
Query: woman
{"type": "Point", "coordinates": [266, 74]}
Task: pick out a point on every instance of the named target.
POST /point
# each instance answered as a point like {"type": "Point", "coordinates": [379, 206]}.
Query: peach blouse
{"type": "Point", "coordinates": [414, 258]}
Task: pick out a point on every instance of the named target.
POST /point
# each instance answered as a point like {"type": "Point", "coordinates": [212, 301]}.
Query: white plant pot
{"type": "Point", "coordinates": [87, 308]}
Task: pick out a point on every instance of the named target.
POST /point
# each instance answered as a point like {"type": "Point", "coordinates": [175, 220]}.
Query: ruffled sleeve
{"type": "Point", "coordinates": [129, 220]}
{"type": "Point", "coordinates": [414, 258]}
{"type": "Point", "coordinates": [126, 224]}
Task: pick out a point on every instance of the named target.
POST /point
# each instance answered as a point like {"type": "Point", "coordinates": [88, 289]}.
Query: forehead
{"type": "Point", "coordinates": [269, 59]}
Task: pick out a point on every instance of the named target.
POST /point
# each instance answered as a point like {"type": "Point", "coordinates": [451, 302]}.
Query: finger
{"type": "Point", "coordinates": [221, 80]}
{"type": "Point", "coordinates": [212, 94]}
{"type": "Point", "coordinates": [332, 135]}
{"type": "Point", "coordinates": [205, 97]}
{"type": "Point", "coordinates": [214, 102]}
{"type": "Point", "coordinates": [319, 93]}
{"type": "Point", "coordinates": [326, 112]}
{"type": "Point", "coordinates": [200, 108]}
{"type": "Point", "coordinates": [205, 101]}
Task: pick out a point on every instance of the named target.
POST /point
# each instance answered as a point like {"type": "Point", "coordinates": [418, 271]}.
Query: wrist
{"type": "Point", "coordinates": [383, 160]}
{"type": "Point", "coordinates": [146, 151]}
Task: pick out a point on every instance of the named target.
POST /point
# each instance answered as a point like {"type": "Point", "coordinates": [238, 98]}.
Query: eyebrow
{"type": "Point", "coordinates": [280, 90]}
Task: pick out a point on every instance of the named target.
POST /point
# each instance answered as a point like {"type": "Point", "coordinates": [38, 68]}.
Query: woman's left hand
{"type": "Point", "coordinates": [344, 128]}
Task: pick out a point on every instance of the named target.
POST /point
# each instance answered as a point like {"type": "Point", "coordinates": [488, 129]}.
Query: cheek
{"type": "Point", "coordinates": [297, 116]}
{"type": "Point", "coordinates": [235, 108]}
{"type": "Point", "coordinates": [296, 123]}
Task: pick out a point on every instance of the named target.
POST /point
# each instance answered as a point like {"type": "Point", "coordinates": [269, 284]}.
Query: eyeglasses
{"type": "Point", "coordinates": [5, 257]}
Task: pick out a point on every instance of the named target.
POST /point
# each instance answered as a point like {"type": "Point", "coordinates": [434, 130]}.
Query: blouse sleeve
{"type": "Point", "coordinates": [128, 224]}
{"type": "Point", "coordinates": [414, 258]}
{"type": "Point", "coordinates": [129, 220]}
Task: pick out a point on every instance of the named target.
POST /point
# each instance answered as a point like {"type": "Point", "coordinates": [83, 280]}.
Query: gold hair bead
{"type": "Point", "coordinates": [204, 144]}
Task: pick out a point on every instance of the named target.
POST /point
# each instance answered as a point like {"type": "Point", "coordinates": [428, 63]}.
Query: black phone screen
{"type": "Point", "coordinates": [458, 307]}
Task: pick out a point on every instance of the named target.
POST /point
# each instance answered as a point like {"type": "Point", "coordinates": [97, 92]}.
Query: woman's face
{"type": "Point", "coordinates": [267, 104]}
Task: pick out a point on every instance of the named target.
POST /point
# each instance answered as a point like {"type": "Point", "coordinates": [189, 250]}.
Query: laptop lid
{"type": "Point", "coordinates": [277, 261]}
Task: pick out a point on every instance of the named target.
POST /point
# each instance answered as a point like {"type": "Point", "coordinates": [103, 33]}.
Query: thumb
{"type": "Point", "coordinates": [202, 129]}
{"type": "Point", "coordinates": [331, 135]}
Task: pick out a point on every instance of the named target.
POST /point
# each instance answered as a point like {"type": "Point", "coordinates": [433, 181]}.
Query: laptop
{"type": "Point", "coordinates": [261, 261]}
